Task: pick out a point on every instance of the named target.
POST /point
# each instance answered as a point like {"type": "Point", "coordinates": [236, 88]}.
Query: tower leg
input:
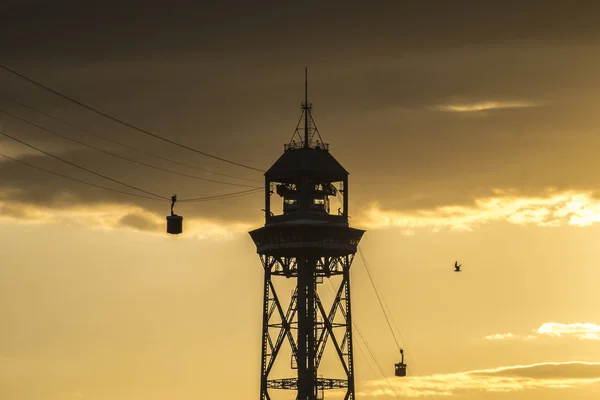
{"type": "Point", "coordinates": [264, 395]}
{"type": "Point", "coordinates": [312, 336]}
{"type": "Point", "coordinates": [307, 375]}
{"type": "Point", "coordinates": [349, 341]}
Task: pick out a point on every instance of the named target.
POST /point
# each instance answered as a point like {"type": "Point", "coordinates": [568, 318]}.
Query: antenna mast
{"type": "Point", "coordinates": [309, 123]}
{"type": "Point", "coordinates": [306, 107]}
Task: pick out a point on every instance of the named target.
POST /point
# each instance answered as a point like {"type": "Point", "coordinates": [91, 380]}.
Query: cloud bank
{"type": "Point", "coordinates": [500, 336]}
{"type": "Point", "coordinates": [110, 216]}
{"type": "Point", "coordinates": [551, 209]}
{"type": "Point", "coordinates": [483, 106]}
{"type": "Point", "coordinates": [550, 375]}
{"type": "Point", "coordinates": [578, 330]}
{"type": "Point", "coordinates": [584, 330]}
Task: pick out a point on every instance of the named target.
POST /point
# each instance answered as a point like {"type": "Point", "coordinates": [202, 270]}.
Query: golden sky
{"type": "Point", "coordinates": [469, 131]}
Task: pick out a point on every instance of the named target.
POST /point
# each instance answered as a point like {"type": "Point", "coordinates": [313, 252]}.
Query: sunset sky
{"type": "Point", "coordinates": [470, 131]}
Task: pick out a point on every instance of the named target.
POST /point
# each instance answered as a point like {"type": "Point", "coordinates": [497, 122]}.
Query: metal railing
{"type": "Point", "coordinates": [298, 145]}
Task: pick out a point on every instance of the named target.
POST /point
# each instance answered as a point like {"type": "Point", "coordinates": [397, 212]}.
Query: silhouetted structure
{"type": "Point", "coordinates": [307, 243]}
{"type": "Point", "coordinates": [174, 221]}
{"type": "Point", "coordinates": [400, 369]}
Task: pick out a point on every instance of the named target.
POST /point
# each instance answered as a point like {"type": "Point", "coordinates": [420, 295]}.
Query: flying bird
{"type": "Point", "coordinates": [457, 266]}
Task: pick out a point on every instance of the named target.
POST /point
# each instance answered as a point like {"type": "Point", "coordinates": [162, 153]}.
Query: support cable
{"type": "Point", "coordinates": [82, 168]}
{"type": "Point", "coordinates": [75, 179]}
{"type": "Point", "coordinates": [156, 196]}
{"type": "Point", "coordinates": [222, 196]}
{"type": "Point", "coordinates": [120, 121]}
{"type": "Point", "coordinates": [388, 315]}
{"type": "Point", "coordinates": [381, 299]}
{"type": "Point", "coordinates": [118, 156]}
{"type": "Point", "coordinates": [387, 318]}
{"type": "Point", "coordinates": [22, 104]}
{"type": "Point", "coordinates": [370, 351]}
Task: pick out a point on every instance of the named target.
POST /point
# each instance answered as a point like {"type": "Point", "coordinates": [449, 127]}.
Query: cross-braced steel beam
{"type": "Point", "coordinates": [314, 325]}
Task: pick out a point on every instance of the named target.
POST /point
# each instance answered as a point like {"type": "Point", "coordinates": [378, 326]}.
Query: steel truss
{"type": "Point", "coordinates": [314, 325]}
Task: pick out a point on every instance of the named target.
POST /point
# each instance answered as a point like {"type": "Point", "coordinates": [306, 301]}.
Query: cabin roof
{"type": "Point", "coordinates": [296, 162]}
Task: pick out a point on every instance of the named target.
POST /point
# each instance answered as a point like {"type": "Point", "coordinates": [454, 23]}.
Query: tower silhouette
{"type": "Point", "coordinates": [303, 241]}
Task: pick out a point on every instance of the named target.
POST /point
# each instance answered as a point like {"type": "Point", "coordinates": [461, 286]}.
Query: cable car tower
{"type": "Point", "coordinates": [307, 243]}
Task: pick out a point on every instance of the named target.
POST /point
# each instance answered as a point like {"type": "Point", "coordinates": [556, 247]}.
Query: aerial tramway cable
{"type": "Point", "coordinates": [156, 196]}
{"type": "Point", "coordinates": [77, 180]}
{"type": "Point", "coordinates": [382, 303]}
{"type": "Point", "coordinates": [379, 297]}
{"type": "Point", "coordinates": [119, 156]}
{"type": "Point", "coordinates": [225, 195]}
{"type": "Point", "coordinates": [387, 318]}
{"type": "Point", "coordinates": [369, 350]}
{"type": "Point", "coordinates": [388, 315]}
{"type": "Point", "coordinates": [120, 121]}
{"type": "Point", "coordinates": [62, 121]}
{"type": "Point", "coordinates": [80, 167]}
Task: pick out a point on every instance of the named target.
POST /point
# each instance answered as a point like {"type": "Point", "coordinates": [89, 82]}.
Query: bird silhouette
{"type": "Point", "coordinates": [457, 266]}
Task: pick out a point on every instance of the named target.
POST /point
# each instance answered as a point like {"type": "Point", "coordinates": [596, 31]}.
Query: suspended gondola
{"type": "Point", "coordinates": [174, 221]}
{"type": "Point", "coordinates": [401, 366]}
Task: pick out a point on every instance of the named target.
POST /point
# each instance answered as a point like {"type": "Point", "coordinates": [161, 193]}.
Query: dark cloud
{"type": "Point", "coordinates": [228, 80]}
{"type": "Point", "coordinates": [111, 28]}
{"type": "Point", "coordinates": [13, 211]}
{"type": "Point", "coordinates": [141, 222]}
{"type": "Point", "coordinates": [38, 188]}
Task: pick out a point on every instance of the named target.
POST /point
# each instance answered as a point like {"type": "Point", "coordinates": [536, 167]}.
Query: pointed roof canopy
{"type": "Point", "coordinates": [311, 162]}
{"type": "Point", "coordinates": [309, 155]}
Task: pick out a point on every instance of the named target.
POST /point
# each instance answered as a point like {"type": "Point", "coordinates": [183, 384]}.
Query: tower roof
{"type": "Point", "coordinates": [308, 156]}
{"type": "Point", "coordinates": [306, 161]}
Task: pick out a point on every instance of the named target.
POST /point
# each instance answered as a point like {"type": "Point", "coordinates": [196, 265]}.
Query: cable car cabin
{"type": "Point", "coordinates": [174, 221]}
{"type": "Point", "coordinates": [174, 224]}
{"type": "Point", "coordinates": [401, 367]}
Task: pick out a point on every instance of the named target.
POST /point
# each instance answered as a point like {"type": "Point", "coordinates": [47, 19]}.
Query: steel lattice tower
{"type": "Point", "coordinates": [307, 243]}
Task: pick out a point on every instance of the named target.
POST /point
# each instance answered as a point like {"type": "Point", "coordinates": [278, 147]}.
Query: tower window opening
{"type": "Point", "coordinates": [320, 196]}
{"type": "Point", "coordinates": [321, 204]}
{"type": "Point", "coordinates": [291, 197]}
{"type": "Point", "coordinates": [294, 198]}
